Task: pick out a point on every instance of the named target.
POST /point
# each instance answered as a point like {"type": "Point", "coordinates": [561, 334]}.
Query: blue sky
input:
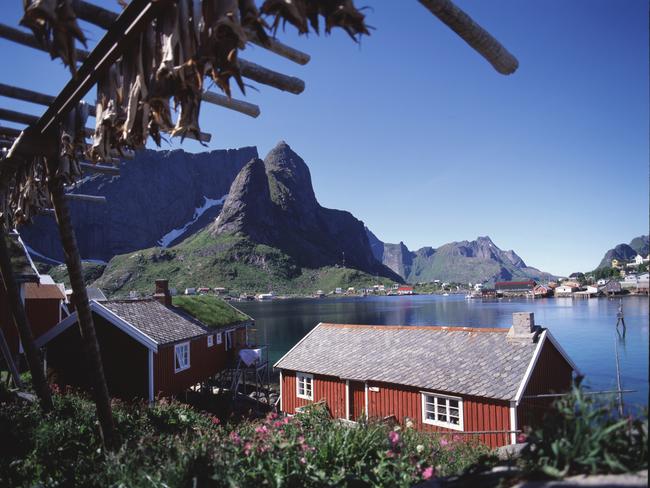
{"type": "Point", "coordinates": [417, 135]}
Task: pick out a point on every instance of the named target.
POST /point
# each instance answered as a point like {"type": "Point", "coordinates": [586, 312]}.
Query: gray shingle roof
{"type": "Point", "coordinates": [163, 325]}
{"type": "Point", "coordinates": [469, 361]}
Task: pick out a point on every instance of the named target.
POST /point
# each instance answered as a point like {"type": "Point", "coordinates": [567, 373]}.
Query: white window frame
{"type": "Point", "coordinates": [219, 338]}
{"type": "Point", "coordinates": [303, 379]}
{"type": "Point", "coordinates": [210, 340]}
{"type": "Point", "coordinates": [178, 367]}
{"type": "Point", "coordinates": [445, 398]}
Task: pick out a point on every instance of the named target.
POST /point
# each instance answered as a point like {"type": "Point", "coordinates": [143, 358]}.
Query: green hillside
{"type": "Point", "coordinates": [229, 261]}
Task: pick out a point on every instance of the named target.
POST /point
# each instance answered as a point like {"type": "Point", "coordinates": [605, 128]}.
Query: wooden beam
{"type": "Point", "coordinates": [473, 34]}
{"type": "Point", "coordinates": [18, 117]}
{"type": "Point", "coordinates": [9, 132]}
{"type": "Point", "coordinates": [245, 108]}
{"type": "Point", "coordinates": [6, 353]}
{"type": "Point", "coordinates": [269, 77]}
{"type": "Point", "coordinates": [280, 49]}
{"type": "Point", "coordinates": [100, 168]}
{"type": "Point", "coordinates": [249, 70]}
{"type": "Point", "coordinates": [18, 93]}
{"type": "Point", "coordinates": [85, 198]}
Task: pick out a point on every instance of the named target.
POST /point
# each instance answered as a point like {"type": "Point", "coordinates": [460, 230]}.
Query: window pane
{"type": "Point", "coordinates": [453, 412]}
{"type": "Point", "coordinates": [453, 403]}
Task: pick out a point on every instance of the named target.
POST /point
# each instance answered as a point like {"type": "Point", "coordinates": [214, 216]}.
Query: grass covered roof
{"type": "Point", "coordinates": [210, 310]}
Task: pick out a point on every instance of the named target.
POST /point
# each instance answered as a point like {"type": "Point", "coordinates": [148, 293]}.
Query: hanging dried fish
{"type": "Point", "coordinates": [189, 77]}
{"type": "Point", "coordinates": [251, 19]}
{"type": "Point", "coordinates": [292, 11]}
{"type": "Point", "coordinates": [222, 36]}
{"type": "Point", "coordinates": [106, 134]}
{"type": "Point", "coordinates": [304, 13]}
{"type": "Point", "coordinates": [54, 24]}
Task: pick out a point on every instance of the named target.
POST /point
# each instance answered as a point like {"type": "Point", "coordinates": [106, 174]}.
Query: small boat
{"type": "Point", "coordinates": [468, 297]}
{"type": "Point", "coordinates": [445, 294]}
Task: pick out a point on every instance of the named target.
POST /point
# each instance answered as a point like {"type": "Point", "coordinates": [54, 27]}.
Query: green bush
{"type": "Point", "coordinates": [171, 444]}
{"type": "Point", "coordinates": [584, 436]}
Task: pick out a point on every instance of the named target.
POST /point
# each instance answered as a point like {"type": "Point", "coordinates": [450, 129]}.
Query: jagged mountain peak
{"type": "Point", "coordinates": [273, 202]}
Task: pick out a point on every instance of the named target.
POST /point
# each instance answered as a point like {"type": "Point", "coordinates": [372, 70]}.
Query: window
{"type": "Point", "coordinates": [443, 411]}
{"type": "Point", "coordinates": [305, 386]}
{"type": "Point", "coordinates": [181, 356]}
{"type": "Point", "coordinates": [229, 340]}
{"type": "Point", "coordinates": [210, 340]}
{"type": "Point", "coordinates": [219, 338]}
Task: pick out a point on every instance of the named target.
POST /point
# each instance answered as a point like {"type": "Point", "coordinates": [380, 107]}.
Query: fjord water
{"type": "Point", "coordinates": [585, 328]}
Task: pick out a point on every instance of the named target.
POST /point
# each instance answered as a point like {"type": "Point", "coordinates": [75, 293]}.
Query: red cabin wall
{"type": "Point", "coordinates": [327, 388]}
{"type": "Point", "coordinates": [552, 374]}
{"type": "Point", "coordinates": [124, 359]}
{"type": "Point", "coordinates": [401, 402]}
{"type": "Point", "coordinates": [479, 414]}
{"type": "Point", "coordinates": [357, 398]}
{"type": "Point", "coordinates": [204, 362]}
{"type": "Point", "coordinates": [42, 314]}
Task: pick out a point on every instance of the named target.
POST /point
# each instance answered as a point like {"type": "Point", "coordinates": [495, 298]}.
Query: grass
{"type": "Point", "coordinates": [233, 262]}
{"type": "Point", "coordinates": [174, 445]}
{"type": "Point", "coordinates": [210, 310]}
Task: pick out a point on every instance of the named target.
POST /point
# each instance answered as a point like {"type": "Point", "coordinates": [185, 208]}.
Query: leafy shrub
{"type": "Point", "coordinates": [584, 436]}
{"type": "Point", "coordinates": [171, 444]}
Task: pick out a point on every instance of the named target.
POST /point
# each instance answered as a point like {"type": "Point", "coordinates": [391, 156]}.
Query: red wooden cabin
{"type": "Point", "coordinates": [149, 348]}
{"type": "Point", "coordinates": [473, 382]}
{"type": "Point", "coordinates": [41, 297]}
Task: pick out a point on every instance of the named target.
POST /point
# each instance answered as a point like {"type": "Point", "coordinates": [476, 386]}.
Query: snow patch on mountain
{"type": "Point", "coordinates": [172, 235]}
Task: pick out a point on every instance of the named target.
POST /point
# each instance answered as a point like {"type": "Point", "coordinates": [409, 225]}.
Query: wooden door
{"type": "Point", "coordinates": [357, 399]}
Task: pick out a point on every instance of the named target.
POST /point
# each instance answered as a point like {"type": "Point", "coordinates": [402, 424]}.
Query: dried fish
{"type": "Point", "coordinates": [251, 19]}
{"type": "Point", "coordinates": [54, 24]}
{"type": "Point", "coordinates": [292, 11]}
{"type": "Point", "coordinates": [222, 36]}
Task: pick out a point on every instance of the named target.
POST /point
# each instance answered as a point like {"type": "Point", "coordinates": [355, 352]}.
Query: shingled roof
{"type": "Point", "coordinates": [470, 361]}
{"type": "Point", "coordinates": [161, 324]}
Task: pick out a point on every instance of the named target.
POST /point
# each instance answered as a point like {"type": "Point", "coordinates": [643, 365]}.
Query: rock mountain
{"type": "Point", "coordinates": [626, 252]}
{"type": "Point", "coordinates": [462, 262]}
{"type": "Point", "coordinates": [272, 202]}
{"type": "Point", "coordinates": [159, 198]}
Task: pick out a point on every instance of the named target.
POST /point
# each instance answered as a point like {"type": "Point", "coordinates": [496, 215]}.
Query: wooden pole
{"type": "Point", "coordinates": [6, 353]}
{"type": "Point", "coordinates": [20, 319]}
{"type": "Point", "coordinates": [92, 353]}
{"type": "Point", "coordinates": [473, 34]}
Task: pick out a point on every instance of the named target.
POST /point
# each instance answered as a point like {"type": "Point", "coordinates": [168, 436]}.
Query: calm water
{"type": "Point", "coordinates": [585, 328]}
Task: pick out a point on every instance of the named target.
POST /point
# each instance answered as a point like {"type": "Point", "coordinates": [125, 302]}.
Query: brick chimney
{"type": "Point", "coordinates": [523, 326]}
{"type": "Point", "coordinates": [162, 293]}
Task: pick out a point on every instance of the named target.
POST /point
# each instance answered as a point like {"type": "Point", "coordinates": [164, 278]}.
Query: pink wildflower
{"type": "Point", "coordinates": [262, 429]}
{"type": "Point", "coordinates": [444, 442]}
{"type": "Point", "coordinates": [234, 437]}
{"type": "Point", "coordinates": [390, 454]}
{"type": "Point", "coordinates": [247, 448]}
{"type": "Point", "coordinates": [216, 421]}
{"type": "Point", "coordinates": [272, 416]}
{"type": "Point", "coordinates": [277, 424]}
{"type": "Point", "coordinates": [427, 473]}
{"type": "Point", "coordinates": [301, 439]}
{"type": "Point", "coordinates": [303, 460]}
{"type": "Point", "coordinates": [522, 438]}
{"type": "Point", "coordinates": [285, 420]}
{"type": "Point", "coordinates": [393, 437]}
